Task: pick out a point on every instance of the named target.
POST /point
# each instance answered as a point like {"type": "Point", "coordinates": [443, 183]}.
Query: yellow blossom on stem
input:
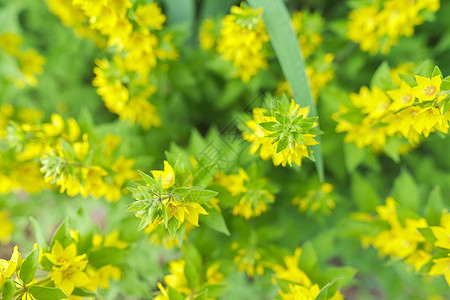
{"type": "Point", "coordinates": [167, 176]}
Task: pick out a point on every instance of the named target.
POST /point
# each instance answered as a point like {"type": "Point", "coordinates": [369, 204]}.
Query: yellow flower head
{"type": "Point", "coordinates": [427, 89]}
{"type": "Point", "coordinates": [167, 176]}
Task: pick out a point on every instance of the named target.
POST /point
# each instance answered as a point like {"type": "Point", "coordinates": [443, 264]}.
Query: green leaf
{"type": "Point", "coordinates": [391, 149]}
{"type": "Point", "coordinates": [192, 274]}
{"type": "Point", "coordinates": [38, 235]}
{"type": "Point", "coordinates": [281, 109]}
{"type": "Point", "coordinates": [172, 226]}
{"type": "Point", "coordinates": [445, 84]}
{"type": "Point", "coordinates": [149, 180]}
{"type": "Point", "coordinates": [364, 194]}
{"type": "Point", "coordinates": [78, 291]}
{"type": "Point", "coordinates": [269, 126]}
{"type": "Point", "coordinates": [287, 49]}
{"type": "Point", "coordinates": [8, 290]}
{"type": "Point", "coordinates": [180, 233]}
{"type": "Point", "coordinates": [434, 207]}
{"type": "Point", "coordinates": [62, 234]}
{"type": "Point", "coordinates": [214, 290]}
{"type": "Point", "coordinates": [341, 275]}
{"type": "Point", "coordinates": [174, 294]}
{"type": "Point", "coordinates": [201, 196]}
{"type": "Point", "coordinates": [282, 144]}
{"type": "Point", "coordinates": [354, 156]}
{"type": "Point", "coordinates": [29, 267]}
{"type": "Point", "coordinates": [46, 293]}
{"type": "Point", "coordinates": [382, 79]}
{"type": "Point", "coordinates": [280, 118]}
{"type": "Point", "coordinates": [408, 79]}
{"type": "Point", "coordinates": [215, 220]}
{"type": "Point", "coordinates": [436, 72]}
{"type": "Point", "coordinates": [308, 259]}
{"type": "Point", "coordinates": [427, 235]}
{"type": "Point", "coordinates": [106, 256]}
{"type": "Point", "coordinates": [145, 220]}
{"type": "Point", "coordinates": [180, 11]}
{"type": "Point", "coordinates": [405, 191]}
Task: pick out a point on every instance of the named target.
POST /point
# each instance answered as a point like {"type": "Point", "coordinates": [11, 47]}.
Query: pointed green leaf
{"type": "Point", "coordinates": [46, 293]}
{"type": "Point", "coordinates": [8, 290]}
{"type": "Point", "coordinates": [148, 180]}
{"type": "Point", "coordinates": [38, 235]}
{"type": "Point", "coordinates": [282, 144]}
{"type": "Point", "coordinates": [436, 72]}
{"type": "Point", "coordinates": [269, 126]}
{"type": "Point", "coordinates": [434, 207]}
{"type": "Point", "coordinates": [172, 226]}
{"type": "Point", "coordinates": [215, 220]}
{"type": "Point", "coordinates": [29, 267]}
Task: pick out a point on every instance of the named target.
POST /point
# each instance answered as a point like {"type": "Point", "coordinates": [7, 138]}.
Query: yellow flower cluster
{"type": "Point", "coordinates": [308, 28]}
{"type": "Point", "coordinates": [29, 62]}
{"type": "Point", "coordinates": [66, 156]}
{"type": "Point", "coordinates": [259, 137]}
{"type": "Point", "coordinates": [207, 34]}
{"type": "Point", "coordinates": [72, 16]}
{"type": "Point", "coordinates": [124, 82]}
{"type": "Point", "coordinates": [242, 41]}
{"type": "Point", "coordinates": [119, 97]}
{"type": "Point", "coordinates": [252, 199]}
{"type": "Point", "coordinates": [6, 227]}
{"type": "Point", "coordinates": [248, 260]}
{"type": "Point", "coordinates": [404, 240]}
{"type": "Point", "coordinates": [300, 286]}
{"type": "Point", "coordinates": [317, 200]}
{"type": "Point", "coordinates": [7, 268]}
{"type": "Point", "coordinates": [379, 26]}
{"type": "Point", "coordinates": [408, 111]}
{"type": "Point", "coordinates": [70, 270]}
{"type": "Point", "coordinates": [178, 281]}
{"type": "Point", "coordinates": [162, 206]}
{"type": "Point", "coordinates": [18, 170]}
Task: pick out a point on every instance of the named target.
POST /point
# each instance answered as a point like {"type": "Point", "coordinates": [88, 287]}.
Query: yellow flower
{"type": "Point", "coordinates": [291, 271]}
{"type": "Point", "coordinates": [150, 15]}
{"type": "Point", "coordinates": [69, 276]}
{"type": "Point", "coordinates": [427, 89]}
{"type": "Point", "coordinates": [10, 43]}
{"type": "Point", "coordinates": [418, 259]}
{"type": "Point", "coordinates": [56, 127]}
{"type": "Point", "coordinates": [404, 96]}
{"type": "Point", "coordinates": [7, 268]}
{"type": "Point", "coordinates": [299, 292]}
{"type": "Point", "coordinates": [167, 176]}
{"type": "Point", "coordinates": [189, 210]}
{"type": "Point", "coordinates": [441, 266]}
{"type": "Point", "coordinates": [176, 279]}
{"type": "Point", "coordinates": [442, 236]}
{"type": "Point", "coordinates": [67, 271]}
{"type": "Point", "coordinates": [59, 255]}
{"type": "Point", "coordinates": [6, 227]}
{"type": "Point", "coordinates": [242, 40]}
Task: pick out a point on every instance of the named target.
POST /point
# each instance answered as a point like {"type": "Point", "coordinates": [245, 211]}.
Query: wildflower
{"type": "Point", "coordinates": [150, 15]}
{"type": "Point", "coordinates": [68, 267]}
{"type": "Point", "coordinates": [285, 143]}
{"type": "Point", "coordinates": [167, 176]}
{"type": "Point", "coordinates": [253, 199]}
{"type": "Point", "coordinates": [427, 89]}
{"type": "Point", "coordinates": [6, 227]}
{"type": "Point", "coordinates": [242, 41]}
{"type": "Point", "coordinates": [7, 268]}
{"type": "Point", "coordinates": [248, 260]}
{"type": "Point", "coordinates": [441, 266]}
